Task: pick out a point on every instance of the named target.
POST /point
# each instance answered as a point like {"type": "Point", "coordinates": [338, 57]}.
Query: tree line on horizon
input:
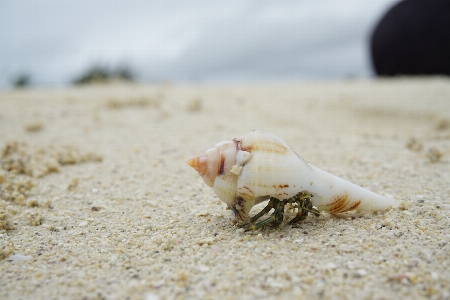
{"type": "Point", "coordinates": [94, 74]}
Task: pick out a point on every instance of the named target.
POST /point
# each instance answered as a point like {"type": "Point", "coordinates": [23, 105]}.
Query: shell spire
{"type": "Point", "coordinates": [260, 166]}
{"type": "Point", "coordinates": [207, 165]}
{"type": "Point", "coordinates": [200, 165]}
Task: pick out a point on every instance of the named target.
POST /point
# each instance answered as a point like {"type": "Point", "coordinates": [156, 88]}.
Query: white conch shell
{"type": "Point", "coordinates": [259, 165]}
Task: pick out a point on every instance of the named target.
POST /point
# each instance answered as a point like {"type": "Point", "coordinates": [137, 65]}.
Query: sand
{"type": "Point", "coordinates": [97, 201]}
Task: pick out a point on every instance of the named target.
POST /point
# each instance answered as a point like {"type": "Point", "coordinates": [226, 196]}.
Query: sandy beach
{"type": "Point", "coordinates": [97, 202]}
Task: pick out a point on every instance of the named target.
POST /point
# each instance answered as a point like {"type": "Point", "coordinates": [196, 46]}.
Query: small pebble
{"type": "Point", "coordinates": [414, 144]}
{"type": "Point", "coordinates": [18, 257]}
{"type": "Point", "coordinates": [203, 268]}
{"type": "Point", "coordinates": [331, 265]}
{"type": "Point", "coordinates": [151, 296]}
{"type": "Point", "coordinates": [361, 273]}
{"type": "Point", "coordinates": [434, 155]}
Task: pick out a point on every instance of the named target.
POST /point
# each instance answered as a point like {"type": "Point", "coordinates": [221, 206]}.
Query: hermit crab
{"type": "Point", "coordinates": [260, 166]}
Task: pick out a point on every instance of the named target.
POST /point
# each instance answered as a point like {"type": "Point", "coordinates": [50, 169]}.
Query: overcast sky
{"type": "Point", "coordinates": [202, 41]}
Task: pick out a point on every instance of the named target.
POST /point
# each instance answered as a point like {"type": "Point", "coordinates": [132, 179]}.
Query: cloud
{"type": "Point", "coordinates": [187, 40]}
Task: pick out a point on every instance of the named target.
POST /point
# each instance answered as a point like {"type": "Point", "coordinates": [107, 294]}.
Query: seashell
{"type": "Point", "coordinates": [260, 166]}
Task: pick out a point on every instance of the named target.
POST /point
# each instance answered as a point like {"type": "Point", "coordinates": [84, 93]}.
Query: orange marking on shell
{"type": "Point", "coordinates": [246, 195]}
{"type": "Point", "coordinates": [248, 189]}
{"type": "Point", "coordinates": [354, 206]}
{"type": "Point", "coordinates": [339, 204]}
{"type": "Point", "coordinates": [199, 164]}
{"type": "Point", "coordinates": [266, 146]}
{"type": "Point", "coordinates": [280, 186]}
{"type": "Point", "coordinates": [222, 164]}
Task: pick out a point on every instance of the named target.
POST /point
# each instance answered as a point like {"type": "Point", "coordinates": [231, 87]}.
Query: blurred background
{"type": "Point", "coordinates": [56, 43]}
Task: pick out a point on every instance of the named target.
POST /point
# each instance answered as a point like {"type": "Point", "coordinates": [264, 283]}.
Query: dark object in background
{"type": "Point", "coordinates": [21, 81]}
{"type": "Point", "coordinates": [413, 38]}
{"type": "Point", "coordinates": [103, 74]}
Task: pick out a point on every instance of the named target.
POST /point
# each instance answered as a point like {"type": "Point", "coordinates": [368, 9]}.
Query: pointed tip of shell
{"type": "Point", "coordinates": [199, 163]}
